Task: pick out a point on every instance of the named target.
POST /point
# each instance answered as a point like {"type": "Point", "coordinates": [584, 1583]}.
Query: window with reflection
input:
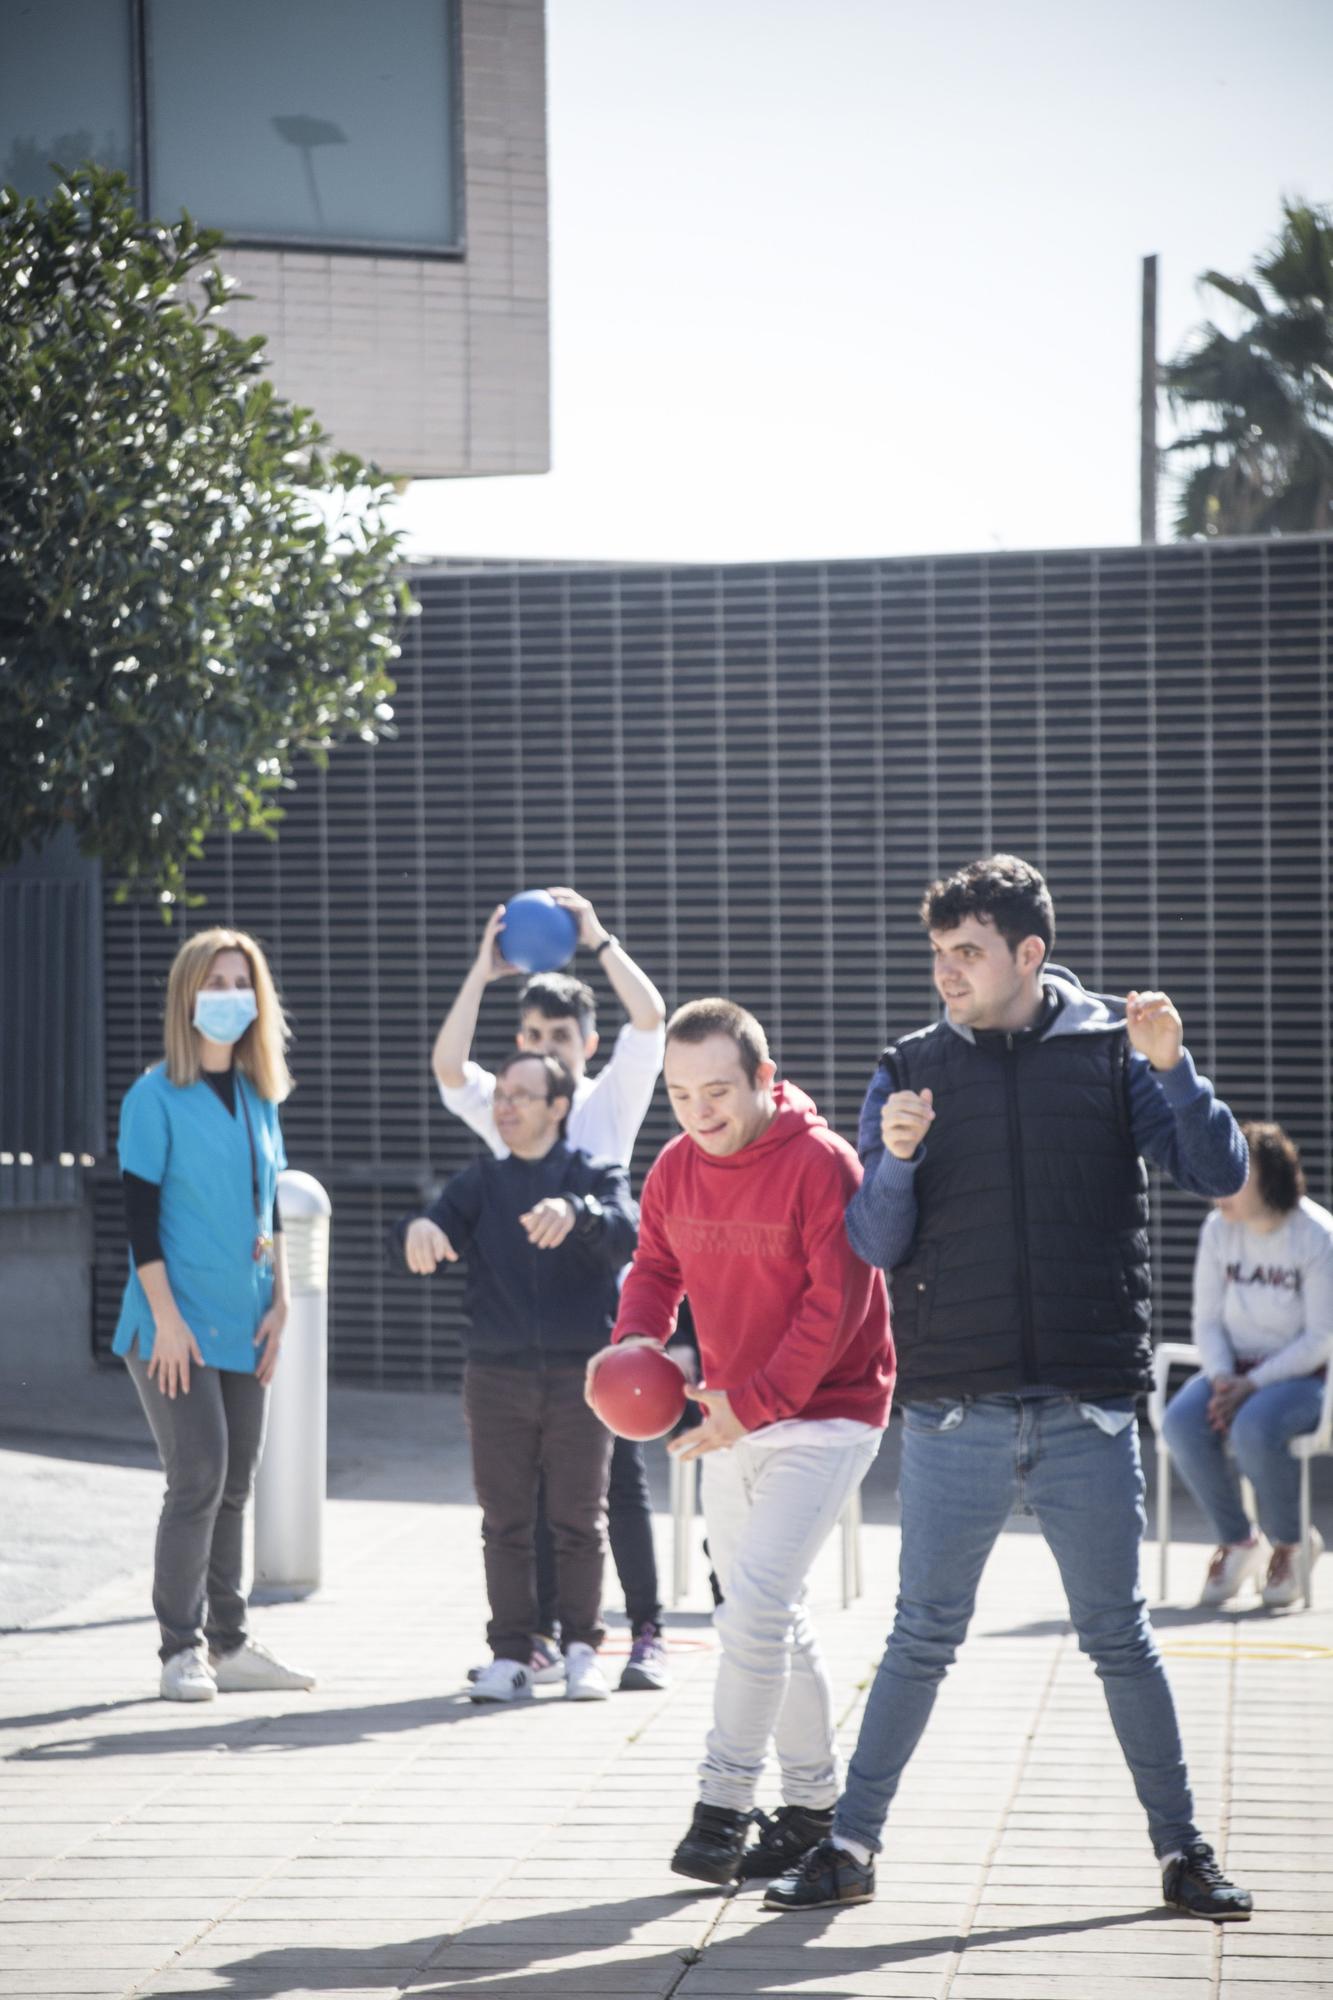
{"type": "Point", "coordinates": [66, 90]}
{"type": "Point", "coordinates": [294, 122]}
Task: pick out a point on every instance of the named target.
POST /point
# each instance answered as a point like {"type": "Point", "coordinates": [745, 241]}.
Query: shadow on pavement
{"type": "Point", "coordinates": [1162, 1617]}
{"type": "Point", "coordinates": [297, 1729]}
{"type": "Point", "coordinates": [85, 1713]}
{"type": "Point", "coordinates": [486, 1956]}
{"type": "Point", "coordinates": [81, 1625]}
{"type": "Point", "coordinates": [82, 1447]}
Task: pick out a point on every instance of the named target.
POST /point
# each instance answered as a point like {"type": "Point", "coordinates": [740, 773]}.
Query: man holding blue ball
{"type": "Point", "coordinates": [557, 1016]}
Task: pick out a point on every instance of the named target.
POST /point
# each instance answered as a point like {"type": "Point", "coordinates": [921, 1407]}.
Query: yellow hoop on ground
{"type": "Point", "coordinates": [1254, 1649]}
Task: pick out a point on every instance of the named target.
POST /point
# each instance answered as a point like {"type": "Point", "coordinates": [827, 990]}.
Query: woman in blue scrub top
{"type": "Point", "coordinates": [202, 1319]}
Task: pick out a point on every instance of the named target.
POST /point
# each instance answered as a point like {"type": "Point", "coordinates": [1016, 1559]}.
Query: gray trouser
{"type": "Point", "coordinates": [209, 1443]}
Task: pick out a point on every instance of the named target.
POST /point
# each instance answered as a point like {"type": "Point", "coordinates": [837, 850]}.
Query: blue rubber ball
{"type": "Point", "coordinates": [538, 935]}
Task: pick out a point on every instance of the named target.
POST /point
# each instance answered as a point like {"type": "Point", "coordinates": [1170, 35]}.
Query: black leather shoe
{"type": "Point", "coordinates": [791, 1832]}
{"type": "Point", "coordinates": [827, 1876]}
{"type": "Point", "coordinates": [1193, 1882]}
{"type": "Point", "coordinates": [711, 1851]}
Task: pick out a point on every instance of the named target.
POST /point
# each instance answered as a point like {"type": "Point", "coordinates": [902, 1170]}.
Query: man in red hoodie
{"type": "Point", "coordinates": [744, 1211]}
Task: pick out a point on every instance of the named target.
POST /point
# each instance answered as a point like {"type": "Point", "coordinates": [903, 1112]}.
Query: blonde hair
{"type": "Point", "coordinates": [261, 1051]}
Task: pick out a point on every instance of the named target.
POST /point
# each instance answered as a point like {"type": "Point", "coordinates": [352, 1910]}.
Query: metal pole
{"type": "Point", "coordinates": [1148, 407]}
{"type": "Point", "coordinates": [1163, 1515]}
{"type": "Point", "coordinates": [851, 1549]}
{"type": "Point", "coordinates": [293, 1472]}
{"type": "Point", "coordinates": [684, 1490]}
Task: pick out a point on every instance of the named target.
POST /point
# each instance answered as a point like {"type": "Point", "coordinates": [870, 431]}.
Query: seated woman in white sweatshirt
{"type": "Point", "coordinates": [1263, 1323]}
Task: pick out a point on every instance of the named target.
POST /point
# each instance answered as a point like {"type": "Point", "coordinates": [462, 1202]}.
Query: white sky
{"type": "Point", "coordinates": [861, 277]}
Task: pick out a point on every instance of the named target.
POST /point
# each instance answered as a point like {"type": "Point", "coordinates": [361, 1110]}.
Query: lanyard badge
{"type": "Point", "coordinates": [263, 1243]}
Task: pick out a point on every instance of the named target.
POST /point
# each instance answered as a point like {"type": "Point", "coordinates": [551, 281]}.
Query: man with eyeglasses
{"type": "Point", "coordinates": [557, 1016]}
{"type": "Point", "coordinates": [542, 1234]}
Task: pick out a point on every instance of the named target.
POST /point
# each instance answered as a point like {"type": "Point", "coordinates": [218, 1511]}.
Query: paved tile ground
{"type": "Point", "coordinates": [382, 1837]}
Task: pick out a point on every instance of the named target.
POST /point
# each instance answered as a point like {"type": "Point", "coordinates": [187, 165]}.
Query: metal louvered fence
{"type": "Point", "coordinates": [52, 1097]}
{"type": "Point", "coordinates": [752, 771]}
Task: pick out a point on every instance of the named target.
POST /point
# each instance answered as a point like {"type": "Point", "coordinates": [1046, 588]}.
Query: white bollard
{"type": "Point", "coordinates": [684, 1500]}
{"type": "Point", "coordinates": [293, 1472]}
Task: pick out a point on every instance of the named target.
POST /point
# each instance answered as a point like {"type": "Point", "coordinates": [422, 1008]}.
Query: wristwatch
{"type": "Point", "coordinates": [606, 943]}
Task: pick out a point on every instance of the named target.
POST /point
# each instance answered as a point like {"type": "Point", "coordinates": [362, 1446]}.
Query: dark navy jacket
{"type": "Point", "coordinates": [530, 1307]}
{"type": "Point", "coordinates": [1016, 1238]}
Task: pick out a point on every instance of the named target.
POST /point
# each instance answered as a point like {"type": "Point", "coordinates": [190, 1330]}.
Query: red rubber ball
{"type": "Point", "coordinates": [638, 1392]}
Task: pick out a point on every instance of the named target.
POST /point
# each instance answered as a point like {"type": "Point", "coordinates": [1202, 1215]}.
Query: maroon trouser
{"type": "Point", "coordinates": [526, 1424]}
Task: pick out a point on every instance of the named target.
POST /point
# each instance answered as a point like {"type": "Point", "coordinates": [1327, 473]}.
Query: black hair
{"type": "Point", "coordinates": [1275, 1163]}
{"type": "Point", "coordinates": [559, 1081]}
{"type": "Point", "coordinates": [557, 996]}
{"type": "Point", "coordinates": [1001, 890]}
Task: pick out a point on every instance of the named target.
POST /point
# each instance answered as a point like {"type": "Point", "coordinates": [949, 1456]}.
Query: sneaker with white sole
{"type": "Point", "coordinates": [185, 1677]}
{"type": "Point", "coordinates": [252, 1668]}
{"type": "Point", "coordinates": [546, 1664]}
{"type": "Point", "coordinates": [584, 1679]}
{"type": "Point", "coordinates": [1193, 1882]}
{"type": "Point", "coordinates": [824, 1879]}
{"type": "Point", "coordinates": [503, 1680]}
{"type": "Point", "coordinates": [1282, 1585]}
{"type": "Point", "coordinates": [1233, 1565]}
{"type": "Point", "coordinates": [646, 1666]}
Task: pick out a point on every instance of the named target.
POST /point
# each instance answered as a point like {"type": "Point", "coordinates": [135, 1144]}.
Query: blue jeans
{"type": "Point", "coordinates": [965, 1466]}
{"type": "Point", "coordinates": [1260, 1432]}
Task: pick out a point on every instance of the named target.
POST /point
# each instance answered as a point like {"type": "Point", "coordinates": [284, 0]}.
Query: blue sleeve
{"type": "Point", "coordinates": [882, 1083]}
{"type": "Point", "coordinates": [143, 1143]}
{"type": "Point", "coordinates": [881, 1215]}
{"type": "Point", "coordinates": [1183, 1128]}
{"type": "Point", "coordinates": [279, 1147]}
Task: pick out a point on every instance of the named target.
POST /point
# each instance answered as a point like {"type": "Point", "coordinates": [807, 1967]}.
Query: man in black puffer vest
{"type": "Point", "coordinates": [1006, 1194]}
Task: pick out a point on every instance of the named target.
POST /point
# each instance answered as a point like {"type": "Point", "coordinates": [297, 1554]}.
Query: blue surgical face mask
{"type": "Point", "coordinates": [224, 1017]}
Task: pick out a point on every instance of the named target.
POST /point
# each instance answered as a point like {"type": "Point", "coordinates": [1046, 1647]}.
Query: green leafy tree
{"type": "Point", "coordinates": [1259, 459]}
{"type": "Point", "coordinates": [195, 588]}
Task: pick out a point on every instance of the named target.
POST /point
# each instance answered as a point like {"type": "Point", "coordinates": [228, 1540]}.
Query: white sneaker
{"type": "Point", "coordinates": [185, 1677]}
{"type": "Point", "coordinates": [547, 1665]}
{"type": "Point", "coordinates": [252, 1667]}
{"type": "Point", "coordinates": [584, 1679]}
{"type": "Point", "coordinates": [1232, 1567]}
{"type": "Point", "coordinates": [503, 1680]}
{"type": "Point", "coordinates": [1283, 1583]}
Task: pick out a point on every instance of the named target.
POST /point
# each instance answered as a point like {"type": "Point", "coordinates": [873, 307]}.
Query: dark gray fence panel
{"type": "Point", "coordinates": [753, 771]}
{"type": "Point", "coordinates": [52, 1096]}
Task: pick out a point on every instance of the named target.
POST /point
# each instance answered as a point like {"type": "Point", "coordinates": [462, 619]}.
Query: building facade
{"type": "Point", "coordinates": [379, 172]}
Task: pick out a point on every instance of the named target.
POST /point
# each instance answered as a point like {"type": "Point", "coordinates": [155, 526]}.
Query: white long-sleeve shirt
{"type": "Point", "coordinates": [1265, 1298]}
{"type": "Point", "coordinates": [608, 1108]}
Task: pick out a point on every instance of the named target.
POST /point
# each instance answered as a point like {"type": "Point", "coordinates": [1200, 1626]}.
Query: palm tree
{"type": "Point", "coordinates": [1260, 461]}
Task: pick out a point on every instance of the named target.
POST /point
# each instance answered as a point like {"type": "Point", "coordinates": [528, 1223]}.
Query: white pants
{"type": "Point", "coordinates": [768, 1511]}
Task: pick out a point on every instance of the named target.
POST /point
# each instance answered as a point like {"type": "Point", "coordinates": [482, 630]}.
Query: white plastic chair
{"type": "Point", "coordinates": [684, 1505]}
{"type": "Point", "coordinates": [1170, 1354]}
{"type": "Point", "coordinates": [1309, 1445]}
{"type": "Point", "coordinates": [1317, 1443]}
